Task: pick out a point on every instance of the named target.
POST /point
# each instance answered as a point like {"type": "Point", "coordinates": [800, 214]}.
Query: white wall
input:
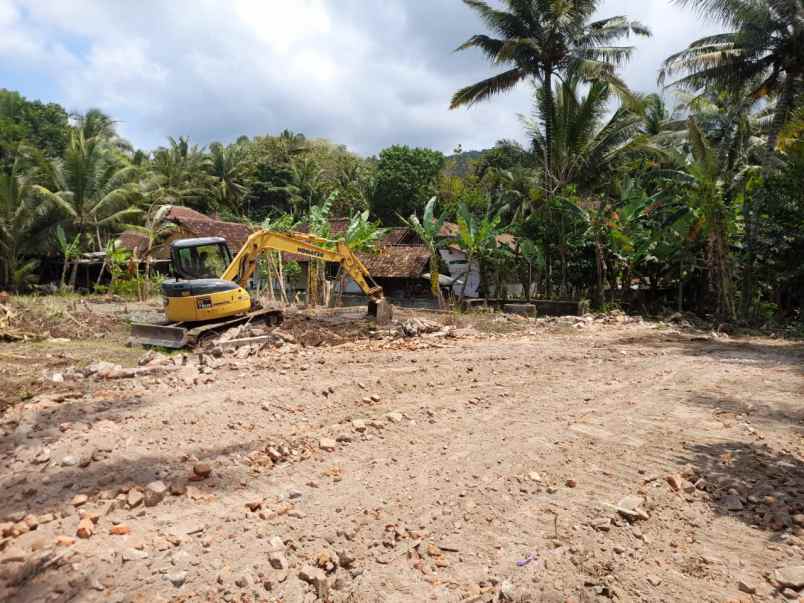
{"type": "Point", "coordinates": [457, 264]}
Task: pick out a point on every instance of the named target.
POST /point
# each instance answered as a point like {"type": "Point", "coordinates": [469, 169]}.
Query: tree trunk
{"type": "Point", "coordinates": [748, 293]}
{"type": "Point", "coordinates": [281, 276]}
{"type": "Point", "coordinates": [720, 267]}
{"type": "Point", "coordinates": [63, 279]}
{"type": "Point", "coordinates": [435, 285]}
{"type": "Point", "coordinates": [562, 252]}
{"type": "Point", "coordinates": [74, 274]}
{"type": "Point", "coordinates": [549, 110]}
{"type": "Point", "coordinates": [600, 272]}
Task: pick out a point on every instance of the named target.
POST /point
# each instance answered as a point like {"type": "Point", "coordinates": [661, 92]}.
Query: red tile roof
{"type": "Point", "coordinates": [397, 261]}
{"type": "Point", "coordinates": [397, 257]}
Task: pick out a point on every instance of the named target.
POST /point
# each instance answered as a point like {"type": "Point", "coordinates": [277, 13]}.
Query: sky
{"type": "Point", "coordinates": [362, 73]}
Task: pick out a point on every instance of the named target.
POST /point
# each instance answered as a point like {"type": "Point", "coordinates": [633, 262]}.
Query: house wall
{"type": "Point", "coordinates": [457, 265]}
{"type": "Point", "coordinates": [455, 260]}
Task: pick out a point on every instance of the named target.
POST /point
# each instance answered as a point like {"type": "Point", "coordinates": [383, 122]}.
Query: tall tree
{"type": "Point", "coordinates": [94, 190]}
{"type": "Point", "coordinates": [706, 194]}
{"type": "Point", "coordinates": [542, 39]}
{"type": "Point", "coordinates": [583, 155]}
{"type": "Point", "coordinates": [177, 175]}
{"type": "Point", "coordinates": [226, 165]}
{"type": "Point", "coordinates": [764, 50]}
{"type": "Point", "coordinates": [405, 180]}
{"type": "Point", "coordinates": [21, 220]}
{"type": "Point", "coordinates": [39, 126]}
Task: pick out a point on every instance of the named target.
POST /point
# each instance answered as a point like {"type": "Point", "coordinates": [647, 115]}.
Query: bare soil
{"type": "Point", "coordinates": [500, 459]}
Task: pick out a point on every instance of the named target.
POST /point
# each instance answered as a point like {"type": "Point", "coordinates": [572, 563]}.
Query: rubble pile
{"type": "Point", "coordinates": [38, 319]}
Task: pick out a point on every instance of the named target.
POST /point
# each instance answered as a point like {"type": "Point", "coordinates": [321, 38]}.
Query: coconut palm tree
{"type": "Point", "coordinates": [763, 50]}
{"type": "Point", "coordinates": [707, 190]}
{"type": "Point", "coordinates": [428, 229]}
{"type": "Point", "coordinates": [94, 190]}
{"type": "Point", "coordinates": [226, 165]}
{"type": "Point", "coordinates": [583, 154]}
{"type": "Point", "coordinates": [540, 40]}
{"type": "Point", "coordinates": [96, 124]}
{"type": "Point", "coordinates": [178, 175]}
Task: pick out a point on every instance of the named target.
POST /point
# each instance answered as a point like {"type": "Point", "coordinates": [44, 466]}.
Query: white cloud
{"type": "Point", "coordinates": [364, 74]}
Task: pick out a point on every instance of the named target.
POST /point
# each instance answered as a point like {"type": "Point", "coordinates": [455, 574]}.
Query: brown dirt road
{"type": "Point", "coordinates": [516, 447]}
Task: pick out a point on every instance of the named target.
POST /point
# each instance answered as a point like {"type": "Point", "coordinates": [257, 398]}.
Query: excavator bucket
{"type": "Point", "coordinates": [381, 311]}
{"type": "Point", "coordinates": [163, 336]}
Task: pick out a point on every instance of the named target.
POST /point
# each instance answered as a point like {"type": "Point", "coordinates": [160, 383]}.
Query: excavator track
{"type": "Point", "coordinates": [177, 335]}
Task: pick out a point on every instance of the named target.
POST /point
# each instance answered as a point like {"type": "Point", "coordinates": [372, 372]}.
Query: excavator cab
{"type": "Point", "coordinates": [200, 258]}
{"type": "Point", "coordinates": [196, 293]}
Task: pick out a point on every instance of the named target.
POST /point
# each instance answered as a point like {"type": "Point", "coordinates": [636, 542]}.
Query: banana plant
{"type": "Point", "coordinates": [428, 229]}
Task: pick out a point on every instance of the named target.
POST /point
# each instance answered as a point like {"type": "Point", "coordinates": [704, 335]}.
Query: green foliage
{"type": "Point", "coordinates": [95, 189]}
{"type": "Point", "coordinates": [429, 230]}
{"type": "Point", "coordinates": [405, 179]}
{"type": "Point", "coordinates": [544, 39]}
{"type": "Point", "coordinates": [32, 124]}
{"type": "Point", "coordinates": [762, 52]}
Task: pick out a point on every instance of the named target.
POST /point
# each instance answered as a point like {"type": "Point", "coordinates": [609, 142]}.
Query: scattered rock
{"type": "Point", "coordinates": [676, 482]}
{"type": "Point", "coordinates": [791, 576]}
{"type": "Point", "coordinates": [65, 540]}
{"type": "Point", "coordinates": [134, 555]}
{"type": "Point", "coordinates": [327, 444]}
{"type": "Point", "coordinates": [507, 591]}
{"type": "Point", "coordinates": [120, 529]}
{"type": "Point", "coordinates": [359, 425]}
{"type": "Point", "coordinates": [394, 417]}
{"type": "Point", "coordinates": [177, 579]}
{"type": "Point", "coordinates": [85, 528]}
{"type": "Point", "coordinates": [79, 499]}
{"type": "Point", "coordinates": [345, 559]}
{"type": "Point", "coordinates": [630, 507]}
{"type": "Point", "coordinates": [278, 560]}
{"type": "Point", "coordinates": [276, 543]}
{"type": "Point", "coordinates": [571, 483]}
{"type": "Point", "coordinates": [732, 502]}
{"type": "Point", "coordinates": [746, 585]}
{"type": "Point", "coordinates": [178, 488]}
{"type": "Point", "coordinates": [243, 581]}
{"type": "Point", "coordinates": [317, 578]}
{"type": "Point", "coordinates": [654, 580]}
{"type": "Point", "coordinates": [154, 493]}
{"type": "Point", "coordinates": [134, 498]}
{"type": "Point", "coordinates": [69, 461]}
{"type": "Point", "coordinates": [254, 505]}
{"type": "Point", "coordinates": [202, 470]}
{"type": "Point", "coordinates": [43, 456]}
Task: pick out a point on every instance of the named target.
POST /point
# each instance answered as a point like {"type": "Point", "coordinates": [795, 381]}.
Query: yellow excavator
{"type": "Point", "coordinates": [198, 302]}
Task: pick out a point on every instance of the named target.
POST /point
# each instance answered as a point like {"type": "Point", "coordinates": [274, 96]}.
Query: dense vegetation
{"type": "Point", "coordinates": [693, 199]}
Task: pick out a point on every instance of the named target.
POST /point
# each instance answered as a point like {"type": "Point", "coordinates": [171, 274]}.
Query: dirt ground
{"type": "Point", "coordinates": [495, 459]}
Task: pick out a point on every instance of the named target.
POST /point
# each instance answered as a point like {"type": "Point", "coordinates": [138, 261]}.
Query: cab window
{"type": "Point", "coordinates": [204, 261]}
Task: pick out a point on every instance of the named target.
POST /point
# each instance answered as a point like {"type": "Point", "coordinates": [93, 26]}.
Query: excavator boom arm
{"type": "Point", "coordinates": [244, 263]}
